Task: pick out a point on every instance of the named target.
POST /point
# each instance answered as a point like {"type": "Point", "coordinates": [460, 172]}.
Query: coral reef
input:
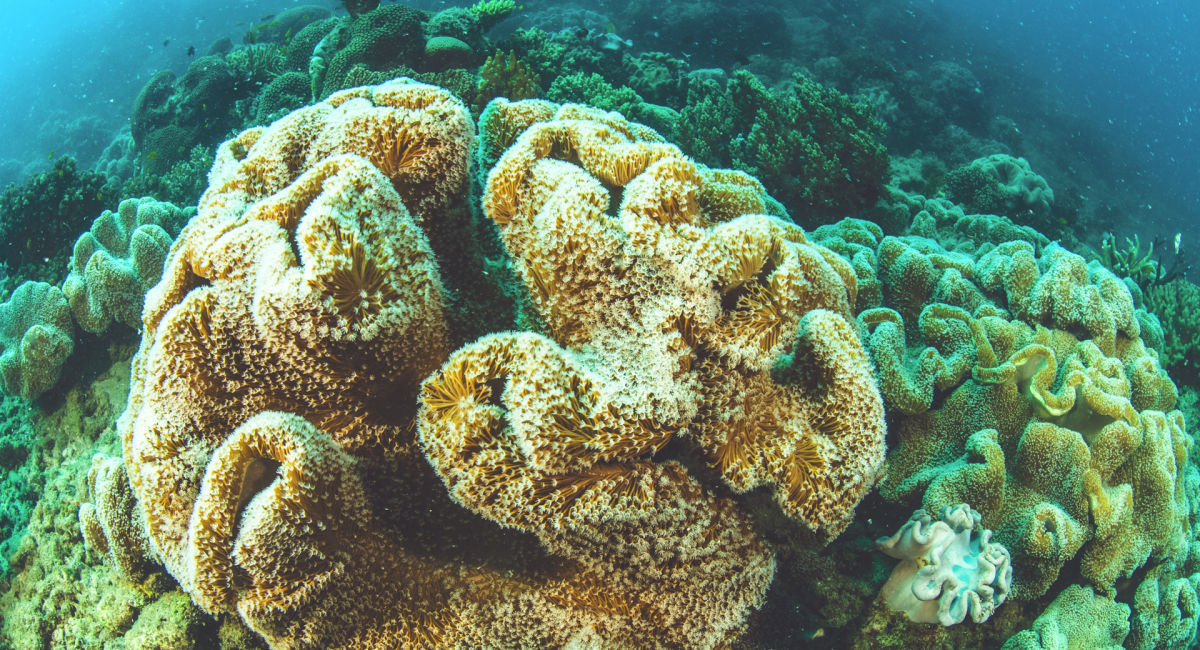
{"type": "Point", "coordinates": [1019, 383]}
{"type": "Point", "coordinates": [40, 218]}
{"type": "Point", "coordinates": [36, 337]}
{"type": "Point", "coordinates": [949, 568]}
{"type": "Point", "coordinates": [818, 152]}
{"type": "Point", "coordinates": [118, 260]}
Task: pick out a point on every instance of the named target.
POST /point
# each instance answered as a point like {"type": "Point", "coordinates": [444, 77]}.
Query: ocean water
{"type": "Point", "coordinates": [430, 324]}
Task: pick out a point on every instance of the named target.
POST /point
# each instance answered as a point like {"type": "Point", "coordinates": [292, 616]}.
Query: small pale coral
{"type": "Point", "coordinates": [110, 521]}
{"type": "Point", "coordinates": [36, 337]}
{"type": "Point", "coordinates": [118, 260]}
{"type": "Point", "coordinates": [950, 568]}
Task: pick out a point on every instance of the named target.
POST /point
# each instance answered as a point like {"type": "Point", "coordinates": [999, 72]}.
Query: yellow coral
{"type": "Point", "coordinates": [682, 284]}
{"type": "Point", "coordinates": [561, 452]}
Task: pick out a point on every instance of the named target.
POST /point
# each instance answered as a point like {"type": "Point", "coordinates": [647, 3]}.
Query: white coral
{"type": "Point", "coordinates": [949, 568]}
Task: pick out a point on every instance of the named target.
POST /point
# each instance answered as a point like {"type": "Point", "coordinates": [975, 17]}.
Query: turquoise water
{"type": "Point", "coordinates": [766, 325]}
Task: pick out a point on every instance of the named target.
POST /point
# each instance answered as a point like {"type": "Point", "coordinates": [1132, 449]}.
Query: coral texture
{"type": "Point", "coordinates": [269, 434]}
{"type": "Point", "coordinates": [36, 337]}
{"type": "Point", "coordinates": [949, 568]}
{"type": "Point", "coordinates": [303, 283]}
{"type": "Point", "coordinates": [691, 291]}
{"type": "Point", "coordinates": [118, 260]}
{"type": "Point", "coordinates": [559, 448]}
{"type": "Point", "coordinates": [1078, 618]}
{"type": "Point", "coordinates": [1020, 385]}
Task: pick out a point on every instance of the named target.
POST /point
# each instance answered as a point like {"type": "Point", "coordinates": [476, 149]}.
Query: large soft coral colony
{"type": "Point", "coordinates": [269, 436]}
{"type": "Point", "coordinates": [678, 279]}
{"type": "Point", "coordinates": [1020, 384]}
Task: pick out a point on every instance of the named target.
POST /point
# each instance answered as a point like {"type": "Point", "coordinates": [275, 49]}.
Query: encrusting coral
{"type": "Point", "coordinates": [117, 261]}
{"type": "Point", "coordinates": [949, 568]}
{"type": "Point", "coordinates": [36, 337]}
{"type": "Point", "coordinates": [674, 276]}
{"type": "Point", "coordinates": [1019, 384]}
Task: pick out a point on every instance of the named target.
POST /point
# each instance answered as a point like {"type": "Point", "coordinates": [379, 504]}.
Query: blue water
{"type": "Point", "coordinates": [1132, 68]}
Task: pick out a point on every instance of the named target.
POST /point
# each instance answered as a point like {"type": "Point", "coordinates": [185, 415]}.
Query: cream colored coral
{"type": "Point", "coordinates": [662, 268]}
{"type": "Point", "coordinates": [559, 449]}
{"type": "Point", "coordinates": [118, 260]}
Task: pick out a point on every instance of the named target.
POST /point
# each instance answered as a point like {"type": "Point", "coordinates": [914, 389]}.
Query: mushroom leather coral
{"type": "Point", "coordinates": [305, 288]}
{"type": "Point", "coordinates": [544, 440]}
{"type": "Point", "coordinates": [672, 274]}
{"type": "Point", "coordinates": [1019, 384]}
{"type": "Point", "coordinates": [269, 440]}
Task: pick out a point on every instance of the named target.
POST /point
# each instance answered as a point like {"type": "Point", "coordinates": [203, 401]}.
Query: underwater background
{"type": "Point", "coordinates": [362, 324]}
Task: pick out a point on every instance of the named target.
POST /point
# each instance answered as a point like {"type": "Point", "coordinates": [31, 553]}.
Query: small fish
{"type": "Point", "coordinates": [266, 18]}
{"type": "Point", "coordinates": [152, 156]}
{"type": "Point", "coordinates": [191, 50]}
{"type": "Point", "coordinates": [166, 42]}
{"type": "Point", "coordinates": [1178, 235]}
{"type": "Point", "coordinates": [51, 157]}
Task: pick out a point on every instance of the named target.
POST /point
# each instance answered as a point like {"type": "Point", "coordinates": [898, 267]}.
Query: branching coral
{"type": "Point", "coordinates": [816, 150]}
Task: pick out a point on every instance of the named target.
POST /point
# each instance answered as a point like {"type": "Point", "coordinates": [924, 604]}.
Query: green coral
{"type": "Point", "coordinates": [505, 75]}
{"type": "Point", "coordinates": [390, 38]}
{"type": "Point", "coordinates": [590, 88]}
{"type": "Point", "coordinates": [1145, 269]}
{"type": "Point", "coordinates": [1078, 618]}
{"type": "Point", "coordinates": [20, 480]}
{"type": "Point", "coordinates": [1003, 185]}
{"type": "Point", "coordinates": [181, 184]}
{"type": "Point", "coordinates": [1017, 381]}
{"type": "Point", "coordinates": [36, 337]}
{"type": "Point", "coordinates": [491, 12]}
{"type": "Point", "coordinates": [257, 63]}
{"type": "Point", "coordinates": [817, 151]}
{"type": "Point", "coordinates": [41, 218]}
{"type": "Point", "coordinates": [1177, 306]}
{"type": "Point", "coordinates": [284, 93]}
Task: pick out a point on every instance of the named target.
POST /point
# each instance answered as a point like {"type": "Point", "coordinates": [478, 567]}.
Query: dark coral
{"type": "Point", "coordinates": [391, 38]}
{"type": "Point", "coordinates": [40, 219]}
{"type": "Point", "coordinates": [820, 153]}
